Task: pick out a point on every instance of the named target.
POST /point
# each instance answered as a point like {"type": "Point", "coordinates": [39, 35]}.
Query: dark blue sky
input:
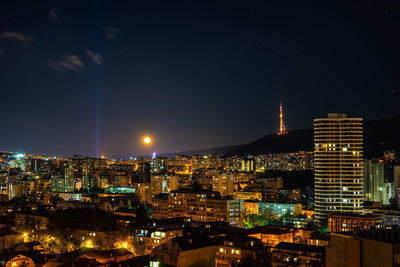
{"type": "Point", "coordinates": [193, 74]}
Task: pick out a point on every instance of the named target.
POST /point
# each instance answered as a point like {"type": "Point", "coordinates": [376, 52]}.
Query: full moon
{"type": "Point", "coordinates": [147, 140]}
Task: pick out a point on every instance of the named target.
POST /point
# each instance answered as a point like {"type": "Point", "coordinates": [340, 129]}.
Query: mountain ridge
{"type": "Point", "coordinates": [379, 136]}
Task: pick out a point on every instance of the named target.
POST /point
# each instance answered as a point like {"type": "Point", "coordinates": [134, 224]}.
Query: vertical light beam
{"type": "Point", "coordinates": [96, 75]}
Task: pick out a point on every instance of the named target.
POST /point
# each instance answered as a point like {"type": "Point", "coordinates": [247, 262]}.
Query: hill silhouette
{"type": "Point", "coordinates": [379, 136]}
{"type": "Point", "coordinates": [202, 152]}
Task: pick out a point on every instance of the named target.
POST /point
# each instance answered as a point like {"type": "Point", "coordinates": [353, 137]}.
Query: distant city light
{"type": "Point", "coordinates": [20, 155]}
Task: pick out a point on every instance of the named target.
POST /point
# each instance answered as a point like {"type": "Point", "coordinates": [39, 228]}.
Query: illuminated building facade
{"type": "Point", "coordinates": [379, 181]}
{"type": "Point", "coordinates": [271, 235]}
{"type": "Point", "coordinates": [396, 184]}
{"type": "Point", "coordinates": [248, 195]}
{"type": "Point", "coordinates": [143, 191]}
{"type": "Point", "coordinates": [159, 164]}
{"type": "Point", "coordinates": [223, 183]}
{"type": "Point", "coordinates": [248, 165]}
{"type": "Point", "coordinates": [292, 254]}
{"type": "Point", "coordinates": [206, 206]}
{"type": "Point", "coordinates": [63, 184]}
{"type": "Point", "coordinates": [279, 209]}
{"type": "Point", "coordinates": [350, 222]}
{"type": "Point", "coordinates": [163, 183]}
{"type": "Point", "coordinates": [338, 163]}
{"type": "Point", "coordinates": [250, 207]}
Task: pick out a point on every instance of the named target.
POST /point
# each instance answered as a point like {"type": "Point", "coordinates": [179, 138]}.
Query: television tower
{"type": "Point", "coordinates": [282, 128]}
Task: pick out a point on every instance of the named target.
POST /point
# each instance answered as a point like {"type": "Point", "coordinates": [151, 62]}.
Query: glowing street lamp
{"type": "Point", "coordinates": [25, 236]}
{"type": "Point", "coordinates": [88, 244]}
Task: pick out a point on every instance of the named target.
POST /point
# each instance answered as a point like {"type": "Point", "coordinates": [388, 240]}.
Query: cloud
{"type": "Point", "coordinates": [111, 33]}
{"type": "Point", "coordinates": [54, 14]}
{"type": "Point", "coordinates": [22, 37]}
{"type": "Point", "coordinates": [95, 57]}
{"type": "Point", "coordinates": [70, 62]}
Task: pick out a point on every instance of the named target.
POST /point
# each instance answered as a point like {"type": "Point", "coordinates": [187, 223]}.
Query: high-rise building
{"type": "Point", "coordinates": [396, 184]}
{"type": "Point", "coordinates": [143, 191]}
{"type": "Point", "coordinates": [338, 163]}
{"type": "Point", "coordinates": [195, 162]}
{"type": "Point", "coordinates": [367, 179]}
{"type": "Point", "coordinates": [144, 171]}
{"type": "Point", "coordinates": [163, 183]}
{"type": "Point", "coordinates": [213, 161]}
{"type": "Point", "coordinates": [378, 182]}
{"type": "Point", "coordinates": [248, 165]}
{"type": "Point", "coordinates": [223, 183]}
{"type": "Point", "coordinates": [159, 164]}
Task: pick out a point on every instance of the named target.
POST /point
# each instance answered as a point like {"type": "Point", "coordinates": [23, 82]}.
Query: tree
{"type": "Point", "coordinates": [255, 220]}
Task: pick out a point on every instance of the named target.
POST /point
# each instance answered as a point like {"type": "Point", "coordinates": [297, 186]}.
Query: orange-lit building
{"type": "Point", "coordinates": [343, 222]}
{"type": "Point", "coordinates": [248, 195]}
{"type": "Point", "coordinates": [234, 249]}
{"type": "Point", "coordinates": [143, 191]}
{"type": "Point", "coordinates": [271, 236]}
{"type": "Point", "coordinates": [206, 206]}
{"type": "Point", "coordinates": [250, 207]}
{"type": "Point", "coordinates": [151, 239]}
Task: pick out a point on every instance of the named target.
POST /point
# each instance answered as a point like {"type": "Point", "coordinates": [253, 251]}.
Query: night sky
{"type": "Point", "coordinates": [95, 77]}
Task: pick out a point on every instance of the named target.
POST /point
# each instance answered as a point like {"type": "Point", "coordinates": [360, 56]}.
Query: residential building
{"type": "Point", "coordinates": [341, 222]}
{"type": "Point", "coordinates": [223, 183]}
{"type": "Point", "coordinates": [163, 183]}
{"type": "Point", "coordinates": [248, 195]}
{"type": "Point", "coordinates": [279, 209]}
{"type": "Point", "coordinates": [206, 206]}
{"type": "Point", "coordinates": [293, 254]}
{"type": "Point", "coordinates": [187, 250]}
{"type": "Point", "coordinates": [143, 191]}
{"type": "Point", "coordinates": [338, 164]}
{"type": "Point", "coordinates": [271, 235]}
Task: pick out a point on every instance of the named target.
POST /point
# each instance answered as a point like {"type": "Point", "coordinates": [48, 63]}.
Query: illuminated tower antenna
{"type": "Point", "coordinates": [282, 128]}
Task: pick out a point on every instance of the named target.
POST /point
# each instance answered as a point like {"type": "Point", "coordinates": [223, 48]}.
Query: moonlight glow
{"type": "Point", "coordinates": [147, 140]}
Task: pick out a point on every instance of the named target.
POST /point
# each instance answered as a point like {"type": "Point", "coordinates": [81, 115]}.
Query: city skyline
{"type": "Point", "coordinates": [210, 133]}
{"type": "Point", "coordinates": [93, 78]}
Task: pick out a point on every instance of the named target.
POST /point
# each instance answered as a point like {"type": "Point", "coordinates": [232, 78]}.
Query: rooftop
{"type": "Point", "coordinates": [273, 230]}
{"type": "Point", "coordinates": [391, 236]}
{"type": "Point", "coordinates": [195, 241]}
